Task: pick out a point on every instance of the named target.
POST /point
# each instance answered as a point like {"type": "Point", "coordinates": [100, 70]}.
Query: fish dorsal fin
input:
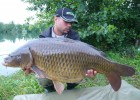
{"type": "Point", "coordinates": [114, 80]}
{"type": "Point", "coordinates": [68, 40]}
{"type": "Point", "coordinates": [59, 87]}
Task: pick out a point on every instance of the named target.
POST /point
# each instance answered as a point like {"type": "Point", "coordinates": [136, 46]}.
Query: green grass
{"type": "Point", "coordinates": [19, 83]}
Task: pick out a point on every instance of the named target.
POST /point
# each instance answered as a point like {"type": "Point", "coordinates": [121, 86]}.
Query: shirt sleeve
{"type": "Point", "coordinates": [73, 35]}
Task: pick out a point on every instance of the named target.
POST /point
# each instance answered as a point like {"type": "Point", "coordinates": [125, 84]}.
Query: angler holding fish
{"type": "Point", "coordinates": [63, 20]}
{"type": "Point", "coordinates": [65, 59]}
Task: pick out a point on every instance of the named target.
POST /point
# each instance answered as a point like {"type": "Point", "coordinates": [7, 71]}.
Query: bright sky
{"type": "Point", "coordinates": [14, 10]}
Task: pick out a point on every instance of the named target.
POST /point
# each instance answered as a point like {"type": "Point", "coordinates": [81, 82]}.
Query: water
{"type": "Point", "coordinates": [7, 47]}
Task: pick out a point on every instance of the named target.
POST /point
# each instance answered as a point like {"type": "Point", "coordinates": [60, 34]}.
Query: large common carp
{"type": "Point", "coordinates": [66, 61]}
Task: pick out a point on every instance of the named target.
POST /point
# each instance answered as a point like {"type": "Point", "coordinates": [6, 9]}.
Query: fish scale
{"type": "Point", "coordinates": [75, 67]}
{"type": "Point", "coordinates": [72, 70]}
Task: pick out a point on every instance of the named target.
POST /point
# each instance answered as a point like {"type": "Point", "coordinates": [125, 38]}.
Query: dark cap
{"type": "Point", "coordinates": [66, 14]}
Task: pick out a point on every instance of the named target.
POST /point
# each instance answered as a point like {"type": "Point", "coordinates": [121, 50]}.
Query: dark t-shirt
{"type": "Point", "coordinates": [71, 34]}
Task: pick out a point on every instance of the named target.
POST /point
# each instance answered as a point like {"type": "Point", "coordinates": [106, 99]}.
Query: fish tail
{"type": "Point", "coordinates": [124, 70]}
{"type": "Point", "coordinates": [114, 80]}
{"type": "Point", "coordinates": [114, 76]}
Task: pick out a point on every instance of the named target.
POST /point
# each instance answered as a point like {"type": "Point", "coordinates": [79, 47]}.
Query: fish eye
{"type": "Point", "coordinates": [18, 57]}
{"type": "Point", "coordinates": [10, 56]}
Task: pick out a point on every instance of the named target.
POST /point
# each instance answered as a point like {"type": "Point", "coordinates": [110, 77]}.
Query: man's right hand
{"type": "Point", "coordinates": [27, 70]}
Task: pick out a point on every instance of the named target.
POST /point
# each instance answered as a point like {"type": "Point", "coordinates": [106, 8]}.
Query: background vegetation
{"type": "Point", "coordinates": [107, 24]}
{"type": "Point", "coordinates": [110, 25]}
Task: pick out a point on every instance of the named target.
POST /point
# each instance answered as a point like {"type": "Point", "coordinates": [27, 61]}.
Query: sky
{"type": "Point", "coordinates": [14, 10]}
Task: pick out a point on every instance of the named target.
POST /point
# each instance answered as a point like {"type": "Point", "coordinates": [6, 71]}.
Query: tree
{"type": "Point", "coordinates": [10, 31]}
{"type": "Point", "coordinates": [103, 22]}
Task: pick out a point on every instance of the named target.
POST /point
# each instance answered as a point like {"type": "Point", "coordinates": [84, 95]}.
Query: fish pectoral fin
{"type": "Point", "coordinates": [59, 87]}
{"type": "Point", "coordinates": [39, 73]}
{"type": "Point", "coordinates": [114, 80]}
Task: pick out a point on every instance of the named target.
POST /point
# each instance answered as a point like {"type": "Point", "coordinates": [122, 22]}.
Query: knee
{"type": "Point", "coordinates": [44, 82]}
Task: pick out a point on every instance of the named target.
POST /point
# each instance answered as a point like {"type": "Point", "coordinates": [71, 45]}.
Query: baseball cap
{"type": "Point", "coordinates": [66, 14]}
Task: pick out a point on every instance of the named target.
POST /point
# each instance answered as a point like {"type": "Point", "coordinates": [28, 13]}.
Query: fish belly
{"type": "Point", "coordinates": [68, 68]}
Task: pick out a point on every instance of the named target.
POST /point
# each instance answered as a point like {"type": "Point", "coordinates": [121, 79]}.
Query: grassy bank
{"type": "Point", "coordinates": [18, 83]}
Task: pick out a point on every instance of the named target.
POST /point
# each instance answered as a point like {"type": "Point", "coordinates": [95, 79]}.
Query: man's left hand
{"type": "Point", "coordinates": [90, 73]}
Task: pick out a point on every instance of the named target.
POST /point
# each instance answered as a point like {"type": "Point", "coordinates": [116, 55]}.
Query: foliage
{"type": "Point", "coordinates": [12, 31]}
{"type": "Point", "coordinates": [106, 22]}
{"type": "Point", "coordinates": [9, 31]}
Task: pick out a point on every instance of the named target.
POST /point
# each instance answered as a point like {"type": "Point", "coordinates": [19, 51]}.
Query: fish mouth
{"type": "Point", "coordinates": [4, 64]}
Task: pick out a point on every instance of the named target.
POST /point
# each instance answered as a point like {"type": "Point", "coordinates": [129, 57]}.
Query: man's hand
{"type": "Point", "coordinates": [27, 70]}
{"type": "Point", "coordinates": [91, 73]}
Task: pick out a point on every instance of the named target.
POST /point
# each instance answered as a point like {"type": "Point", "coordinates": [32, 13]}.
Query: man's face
{"type": "Point", "coordinates": [62, 26]}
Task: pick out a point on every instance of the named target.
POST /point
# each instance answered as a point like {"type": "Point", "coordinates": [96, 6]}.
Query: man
{"type": "Point", "coordinates": [63, 20]}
